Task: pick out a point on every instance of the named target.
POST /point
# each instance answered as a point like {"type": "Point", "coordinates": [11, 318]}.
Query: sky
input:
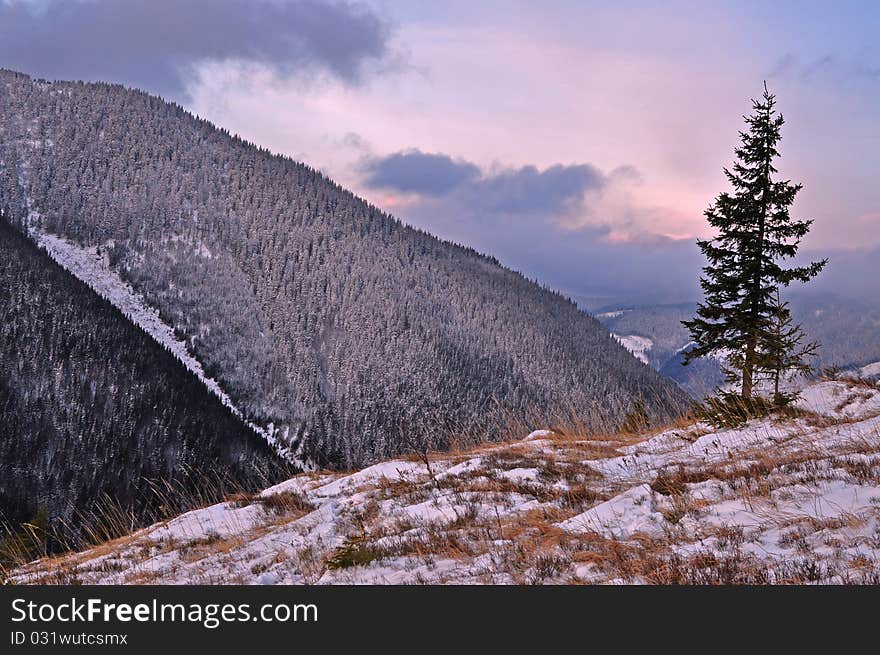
{"type": "Point", "coordinates": [579, 142]}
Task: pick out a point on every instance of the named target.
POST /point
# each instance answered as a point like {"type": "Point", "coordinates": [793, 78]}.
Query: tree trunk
{"type": "Point", "coordinates": [747, 370]}
{"type": "Point", "coordinates": [752, 347]}
{"type": "Point", "coordinates": [778, 356]}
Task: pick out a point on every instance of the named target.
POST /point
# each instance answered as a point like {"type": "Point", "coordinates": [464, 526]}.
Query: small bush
{"type": "Point", "coordinates": [669, 485]}
{"type": "Point", "coordinates": [289, 502]}
{"type": "Point", "coordinates": [730, 410]}
{"type": "Point", "coordinates": [636, 420]}
{"type": "Point", "coordinates": [353, 553]}
{"type": "Point", "coordinates": [674, 482]}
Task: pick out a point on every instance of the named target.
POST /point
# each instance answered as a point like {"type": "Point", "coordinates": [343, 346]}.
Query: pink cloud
{"type": "Point", "coordinates": [523, 97]}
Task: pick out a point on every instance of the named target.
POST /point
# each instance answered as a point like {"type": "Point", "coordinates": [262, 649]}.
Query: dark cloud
{"type": "Point", "coordinates": [817, 67]}
{"type": "Point", "coordinates": [553, 191]}
{"type": "Point", "coordinates": [792, 69]}
{"type": "Point", "coordinates": [509, 191]}
{"type": "Point", "coordinates": [152, 43]}
{"type": "Point", "coordinates": [519, 215]}
{"type": "Point", "coordinates": [414, 171]}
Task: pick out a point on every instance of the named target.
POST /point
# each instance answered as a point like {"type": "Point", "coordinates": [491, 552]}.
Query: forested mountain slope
{"type": "Point", "coordinates": [313, 310]}
{"type": "Point", "coordinates": [90, 405]}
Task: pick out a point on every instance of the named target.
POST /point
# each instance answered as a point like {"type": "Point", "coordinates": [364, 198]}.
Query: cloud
{"type": "Point", "coordinates": [553, 191]}
{"type": "Point", "coordinates": [503, 191]}
{"type": "Point", "coordinates": [414, 171]}
{"type": "Point", "coordinates": [154, 44]}
{"type": "Point", "coordinates": [825, 68]}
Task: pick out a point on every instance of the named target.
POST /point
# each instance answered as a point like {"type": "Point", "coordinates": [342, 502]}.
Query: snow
{"type": "Point", "coordinates": [614, 314]}
{"type": "Point", "coordinates": [222, 520]}
{"type": "Point", "coordinates": [838, 399]}
{"type": "Point", "coordinates": [870, 371]}
{"type": "Point", "coordinates": [867, 372]}
{"type": "Point", "coordinates": [393, 471]}
{"type": "Point", "coordinates": [94, 269]}
{"type": "Point", "coordinates": [431, 511]}
{"type": "Point", "coordinates": [521, 475]}
{"type": "Point", "coordinates": [463, 468]}
{"type": "Point", "coordinates": [792, 499]}
{"type": "Point", "coordinates": [621, 517]}
{"type": "Point", "coordinates": [638, 346]}
{"type": "Point", "coordinates": [538, 434]}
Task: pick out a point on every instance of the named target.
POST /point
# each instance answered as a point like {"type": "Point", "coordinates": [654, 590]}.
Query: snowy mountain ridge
{"type": "Point", "coordinates": [785, 499]}
{"type": "Point", "coordinates": [92, 408]}
{"type": "Point", "coordinates": [846, 330]}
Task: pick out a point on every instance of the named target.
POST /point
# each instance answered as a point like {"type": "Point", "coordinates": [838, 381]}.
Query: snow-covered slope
{"type": "Point", "coordinates": [638, 346]}
{"type": "Point", "coordinates": [793, 500]}
{"type": "Point", "coordinates": [92, 267]}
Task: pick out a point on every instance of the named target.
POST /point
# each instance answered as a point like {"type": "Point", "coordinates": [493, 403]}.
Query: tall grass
{"type": "Point", "coordinates": [108, 518]}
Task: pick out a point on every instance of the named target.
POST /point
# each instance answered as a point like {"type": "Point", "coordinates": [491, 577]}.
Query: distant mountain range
{"type": "Point", "coordinates": [332, 327]}
{"type": "Point", "coordinates": [848, 332]}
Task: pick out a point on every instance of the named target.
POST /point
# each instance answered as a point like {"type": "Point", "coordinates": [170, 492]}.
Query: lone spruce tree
{"type": "Point", "coordinates": [755, 234]}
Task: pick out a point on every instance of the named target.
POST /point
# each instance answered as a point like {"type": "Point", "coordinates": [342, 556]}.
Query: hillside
{"type": "Point", "coordinates": [791, 499]}
{"type": "Point", "coordinates": [354, 336]}
{"type": "Point", "coordinates": [93, 408]}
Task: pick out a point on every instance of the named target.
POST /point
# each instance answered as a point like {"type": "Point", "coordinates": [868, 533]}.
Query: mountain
{"type": "Point", "coordinates": [92, 408]}
{"type": "Point", "coordinates": [355, 336]}
{"type": "Point", "coordinates": [784, 499]}
{"type": "Point", "coordinates": [848, 332]}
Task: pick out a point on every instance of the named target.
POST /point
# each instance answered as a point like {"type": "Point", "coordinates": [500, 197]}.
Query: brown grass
{"type": "Point", "coordinates": [529, 546]}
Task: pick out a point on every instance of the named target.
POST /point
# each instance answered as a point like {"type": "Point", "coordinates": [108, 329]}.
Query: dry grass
{"type": "Point", "coordinates": [486, 528]}
{"type": "Point", "coordinates": [288, 503]}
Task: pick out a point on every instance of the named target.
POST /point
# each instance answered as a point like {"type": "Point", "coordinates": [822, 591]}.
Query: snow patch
{"type": "Point", "coordinates": [870, 371]}
{"type": "Point", "coordinates": [814, 499]}
{"type": "Point", "coordinates": [621, 517]}
{"type": "Point", "coordinates": [839, 399]}
{"type": "Point", "coordinates": [636, 345]}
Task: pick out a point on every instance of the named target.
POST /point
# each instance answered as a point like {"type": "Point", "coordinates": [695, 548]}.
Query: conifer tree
{"type": "Point", "coordinates": [785, 349]}
{"type": "Point", "coordinates": [755, 234]}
